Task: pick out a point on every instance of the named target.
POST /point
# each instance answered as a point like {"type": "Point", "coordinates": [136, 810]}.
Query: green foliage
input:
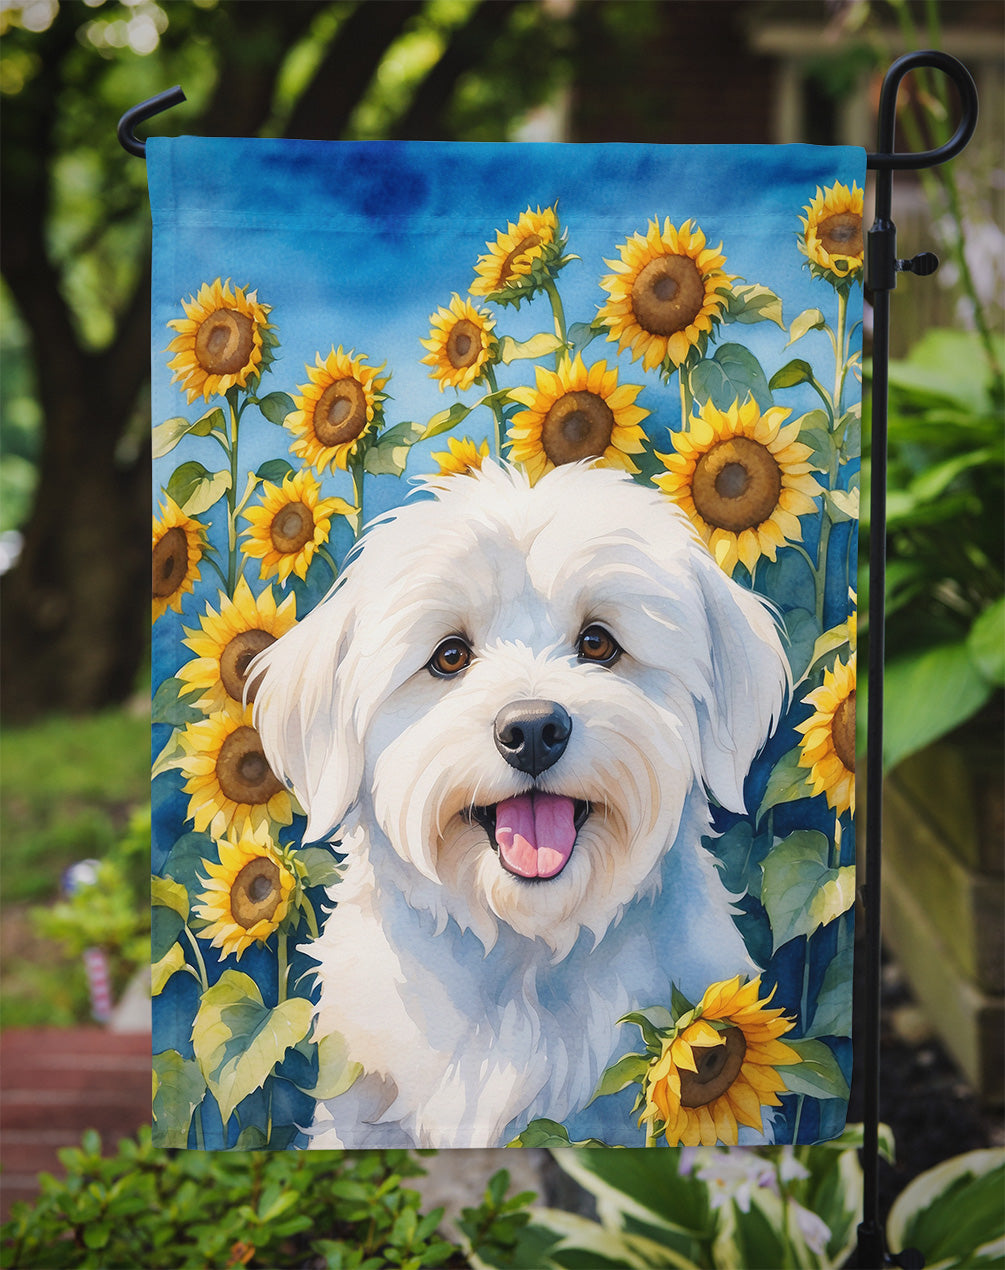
{"type": "Point", "coordinates": [946, 565]}
{"type": "Point", "coordinates": [66, 790]}
{"type": "Point", "coordinates": [112, 913]}
{"type": "Point", "coordinates": [157, 1209]}
{"type": "Point", "coordinates": [706, 1208]}
{"type": "Point", "coordinates": [953, 1213]}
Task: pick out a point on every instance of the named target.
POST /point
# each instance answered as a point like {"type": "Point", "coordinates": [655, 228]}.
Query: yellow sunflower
{"type": "Point", "coordinates": [289, 524]}
{"type": "Point", "coordinates": [247, 894]}
{"type": "Point", "coordinates": [574, 414]}
{"type": "Point", "coordinates": [522, 259]}
{"type": "Point", "coordinates": [709, 1080]}
{"type": "Point", "coordinates": [461, 344]}
{"type": "Point", "coordinates": [340, 406]}
{"type": "Point", "coordinates": [743, 479]}
{"type": "Point", "coordinates": [229, 640]}
{"type": "Point", "coordinates": [828, 744]}
{"type": "Point", "coordinates": [461, 458]}
{"type": "Point", "coordinates": [231, 786]}
{"type": "Point", "coordinates": [224, 339]}
{"type": "Point", "coordinates": [178, 546]}
{"type": "Point", "coordinates": [667, 295]}
{"type": "Point", "coordinates": [832, 233]}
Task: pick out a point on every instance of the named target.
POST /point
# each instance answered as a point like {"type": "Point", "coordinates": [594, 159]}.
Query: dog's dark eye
{"type": "Point", "coordinates": [596, 644]}
{"type": "Point", "coordinates": [450, 658]}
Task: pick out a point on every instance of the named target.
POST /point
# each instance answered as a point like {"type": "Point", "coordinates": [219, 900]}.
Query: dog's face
{"type": "Point", "coordinates": [515, 691]}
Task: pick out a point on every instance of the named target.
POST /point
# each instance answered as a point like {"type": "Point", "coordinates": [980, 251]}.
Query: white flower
{"type": "Point", "coordinates": [732, 1175]}
{"type": "Point", "coordinates": [813, 1229]}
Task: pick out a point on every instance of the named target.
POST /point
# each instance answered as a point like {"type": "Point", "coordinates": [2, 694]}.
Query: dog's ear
{"type": "Point", "coordinates": [749, 679]}
{"type": "Point", "coordinates": [303, 711]}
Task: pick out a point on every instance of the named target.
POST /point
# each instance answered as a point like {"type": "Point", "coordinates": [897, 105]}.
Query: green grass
{"type": "Point", "coordinates": [67, 789]}
{"type": "Point", "coordinates": [67, 786]}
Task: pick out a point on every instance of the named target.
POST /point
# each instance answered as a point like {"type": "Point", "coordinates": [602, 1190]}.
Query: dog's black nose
{"type": "Point", "coordinates": [532, 735]}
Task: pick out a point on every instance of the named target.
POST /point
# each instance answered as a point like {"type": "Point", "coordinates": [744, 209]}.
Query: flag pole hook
{"type": "Point", "coordinates": [126, 130]}
{"type": "Point", "coordinates": [882, 267]}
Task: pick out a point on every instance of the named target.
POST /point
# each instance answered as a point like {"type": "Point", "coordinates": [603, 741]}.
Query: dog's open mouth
{"type": "Point", "coordinates": [533, 833]}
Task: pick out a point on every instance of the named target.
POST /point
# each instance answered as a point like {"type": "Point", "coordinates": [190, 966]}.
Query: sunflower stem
{"type": "Point", "coordinates": [841, 353]}
{"type": "Point", "coordinates": [329, 560]}
{"type": "Point", "coordinates": [686, 397]}
{"type": "Point", "coordinates": [235, 420]}
{"type": "Point", "coordinates": [283, 971]}
{"type": "Point", "coordinates": [219, 572]}
{"type": "Point", "coordinates": [356, 472]}
{"type": "Point", "coordinates": [497, 414]}
{"type": "Point", "coordinates": [558, 312]}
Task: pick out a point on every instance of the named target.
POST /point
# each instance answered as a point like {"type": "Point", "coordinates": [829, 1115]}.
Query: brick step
{"type": "Point", "coordinates": [54, 1084]}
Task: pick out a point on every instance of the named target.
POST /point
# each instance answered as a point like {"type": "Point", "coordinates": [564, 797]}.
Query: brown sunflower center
{"type": "Point", "coordinates": [243, 770]}
{"type": "Point", "coordinates": [292, 527]}
{"type": "Point", "coordinates": [225, 342]}
{"type": "Point", "coordinates": [578, 426]}
{"type": "Point", "coordinates": [667, 295]}
{"type": "Point", "coordinates": [464, 343]}
{"type": "Point", "coordinates": [170, 563]}
{"type": "Point", "coordinates": [523, 246]}
{"type": "Point", "coordinates": [841, 234]}
{"type": "Point", "coordinates": [843, 731]}
{"type": "Point", "coordinates": [340, 415]}
{"type": "Point", "coordinates": [736, 484]}
{"type": "Point", "coordinates": [256, 893]}
{"type": "Point", "coordinates": [236, 658]}
{"type": "Point", "coordinates": [717, 1067]}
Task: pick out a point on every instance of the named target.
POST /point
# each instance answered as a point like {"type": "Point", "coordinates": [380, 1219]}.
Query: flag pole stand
{"type": "Point", "coordinates": [882, 267]}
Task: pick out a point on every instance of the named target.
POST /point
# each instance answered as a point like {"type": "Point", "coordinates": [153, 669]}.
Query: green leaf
{"type": "Point", "coordinates": [815, 431]}
{"type": "Point", "coordinates": [786, 784]}
{"type": "Point", "coordinates": [195, 489]}
{"type": "Point", "coordinates": [583, 333]}
{"type": "Point", "coordinates": [733, 374]}
{"type": "Point", "coordinates": [335, 1070]}
{"type": "Point", "coordinates": [628, 1070]}
{"type": "Point", "coordinates": [818, 1074]}
{"type": "Point", "coordinates": [171, 757]}
{"type": "Point", "coordinates": [986, 643]}
{"type": "Point", "coordinates": [842, 504]}
{"type": "Point", "coordinates": [161, 971]}
{"type": "Point", "coordinates": [808, 320]}
{"type": "Point", "coordinates": [802, 631]}
{"type": "Point", "coordinates": [179, 1090]}
{"type": "Point", "coordinates": [166, 435]}
{"type": "Point", "coordinates": [648, 1022]}
{"type": "Point", "coordinates": [444, 420]}
{"type": "Point", "coordinates": [953, 1213]}
{"type": "Point", "coordinates": [800, 891]}
{"type": "Point", "coordinates": [549, 1133]}
{"type": "Point", "coordinates": [389, 454]}
{"type": "Point", "coordinates": [276, 406]}
{"type": "Point", "coordinates": [275, 471]}
{"type": "Point", "coordinates": [238, 1040]}
{"type": "Point", "coordinates": [929, 693]}
{"type": "Point", "coordinates": [795, 372]}
{"type": "Point", "coordinates": [754, 303]}
{"type": "Point", "coordinates": [170, 894]}
{"type": "Point", "coordinates": [165, 927]}
{"type": "Point", "coordinates": [832, 1016]}
{"type": "Point", "coordinates": [171, 706]}
{"type": "Point", "coordinates": [836, 637]}
{"type": "Point", "coordinates": [541, 345]}
{"type": "Point", "coordinates": [321, 865]}
{"type": "Point", "coordinates": [848, 432]}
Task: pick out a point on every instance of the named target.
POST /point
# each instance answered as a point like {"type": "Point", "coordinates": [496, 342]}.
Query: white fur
{"type": "Point", "coordinates": [475, 1000]}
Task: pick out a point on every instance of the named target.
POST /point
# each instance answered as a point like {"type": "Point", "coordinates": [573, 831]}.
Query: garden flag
{"type": "Point", "coordinates": [504, 535]}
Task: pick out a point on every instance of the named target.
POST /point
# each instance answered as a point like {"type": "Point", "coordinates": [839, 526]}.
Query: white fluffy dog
{"type": "Point", "coordinates": [511, 711]}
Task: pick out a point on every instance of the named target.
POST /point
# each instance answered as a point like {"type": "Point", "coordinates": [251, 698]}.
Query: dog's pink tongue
{"type": "Point", "coordinates": [535, 834]}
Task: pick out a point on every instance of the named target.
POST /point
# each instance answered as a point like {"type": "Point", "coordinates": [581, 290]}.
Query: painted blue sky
{"type": "Point", "coordinates": [358, 243]}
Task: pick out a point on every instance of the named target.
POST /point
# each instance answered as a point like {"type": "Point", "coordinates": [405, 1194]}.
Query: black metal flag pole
{"type": "Point", "coordinates": [882, 267]}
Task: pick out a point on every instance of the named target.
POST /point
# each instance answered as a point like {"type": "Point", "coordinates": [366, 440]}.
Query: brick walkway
{"type": "Point", "coordinates": [57, 1082]}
